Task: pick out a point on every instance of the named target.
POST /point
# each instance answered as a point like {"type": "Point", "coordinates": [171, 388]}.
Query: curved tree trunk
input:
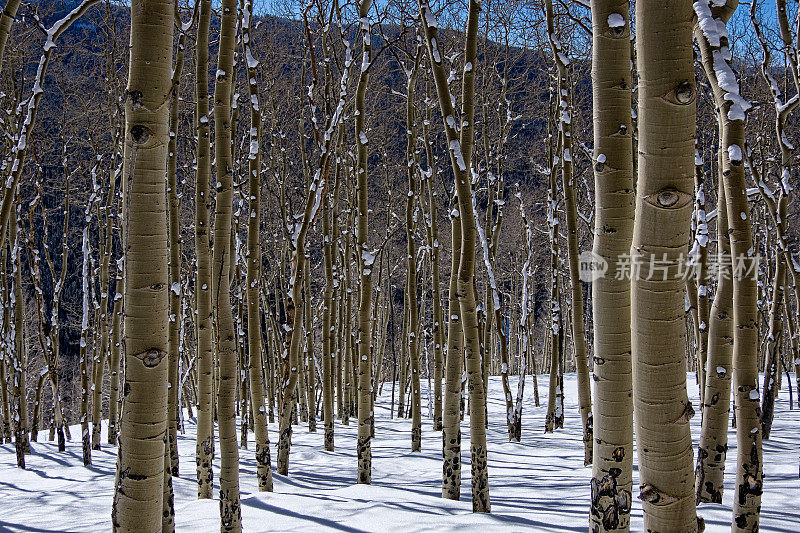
{"type": "Point", "coordinates": [731, 108]}
{"type": "Point", "coordinates": [460, 149]}
{"type": "Point", "coordinates": [713, 446]}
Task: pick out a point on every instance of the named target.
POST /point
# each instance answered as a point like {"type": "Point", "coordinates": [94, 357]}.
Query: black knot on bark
{"type": "Point", "coordinates": [140, 134]}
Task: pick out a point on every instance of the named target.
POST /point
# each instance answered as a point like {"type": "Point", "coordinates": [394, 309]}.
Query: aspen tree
{"type": "Point", "coordinates": [613, 227]}
{"type": "Point", "coordinates": [263, 462]}
{"type": "Point", "coordinates": [564, 98]}
{"type": "Point", "coordinates": [21, 442]}
{"type": "Point", "coordinates": [173, 207]}
{"type": "Point", "coordinates": [36, 277]}
{"type": "Point", "coordinates": [106, 241]}
{"type": "Point", "coordinates": [460, 145]}
{"type": "Point", "coordinates": [525, 332]}
{"type": "Point", "coordinates": [412, 166]}
{"type": "Point", "coordinates": [554, 418]}
{"type": "Point", "coordinates": [497, 315]}
{"type": "Point", "coordinates": [115, 355]}
{"type": "Point", "coordinates": [61, 428]}
{"type": "Point", "coordinates": [328, 321]}
{"type": "Point", "coordinates": [430, 203]}
{"type": "Point", "coordinates": [713, 446]}
{"type": "Point", "coordinates": [699, 260]}
{"type": "Point", "coordinates": [20, 142]}
{"type": "Point", "coordinates": [105, 220]}
{"type": "Point", "coordinates": [367, 259]}
{"type": "Point", "coordinates": [84, 367]}
{"type": "Point", "coordinates": [308, 327]}
{"type": "Point", "coordinates": [6, 348]}
{"type": "Point", "coordinates": [402, 377]}
{"type": "Point", "coordinates": [348, 384]}
{"type": "Point", "coordinates": [225, 332]}
{"type": "Point", "coordinates": [294, 301]}
{"type": "Point", "coordinates": [205, 428]}
{"type": "Point", "coordinates": [713, 43]}
{"type": "Point", "coordinates": [661, 235]}
{"type": "Point", "coordinates": [138, 498]}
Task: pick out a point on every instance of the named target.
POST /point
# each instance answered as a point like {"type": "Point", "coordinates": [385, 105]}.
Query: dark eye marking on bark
{"type": "Point", "coordinates": [152, 357]}
{"type": "Point", "coordinates": [140, 134]}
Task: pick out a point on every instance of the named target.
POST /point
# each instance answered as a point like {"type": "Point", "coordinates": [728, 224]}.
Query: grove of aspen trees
{"type": "Point", "coordinates": [289, 265]}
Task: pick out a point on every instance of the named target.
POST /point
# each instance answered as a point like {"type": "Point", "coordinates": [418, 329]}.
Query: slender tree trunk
{"type": "Point", "coordinates": [555, 396]}
{"type": "Point", "coordinates": [328, 327]}
{"type": "Point", "coordinates": [308, 327]}
{"type": "Point", "coordinates": [716, 403]}
{"type": "Point", "coordinates": [367, 259]}
{"type": "Point", "coordinates": [571, 210]}
{"type": "Point", "coordinates": [451, 420]}
{"type": "Point", "coordinates": [115, 357]}
{"type": "Point", "coordinates": [263, 462]}
{"type": "Point", "coordinates": [173, 207]}
{"type": "Point", "coordinates": [612, 467]}
{"type": "Point", "coordinates": [699, 257]}
{"type": "Point", "coordinates": [412, 166]}
{"type": "Point", "coordinates": [225, 332]}
{"type": "Point", "coordinates": [20, 350]}
{"type": "Point", "coordinates": [205, 360]}
{"type": "Point", "coordinates": [84, 366]}
{"type": "Point", "coordinates": [433, 243]}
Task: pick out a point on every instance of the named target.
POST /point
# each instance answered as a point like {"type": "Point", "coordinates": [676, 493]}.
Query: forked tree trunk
{"type": "Point", "coordinates": [460, 149]}
{"type": "Point", "coordinates": [731, 108]}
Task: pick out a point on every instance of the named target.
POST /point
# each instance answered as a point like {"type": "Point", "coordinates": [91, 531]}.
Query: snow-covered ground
{"type": "Point", "coordinates": [537, 485]}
